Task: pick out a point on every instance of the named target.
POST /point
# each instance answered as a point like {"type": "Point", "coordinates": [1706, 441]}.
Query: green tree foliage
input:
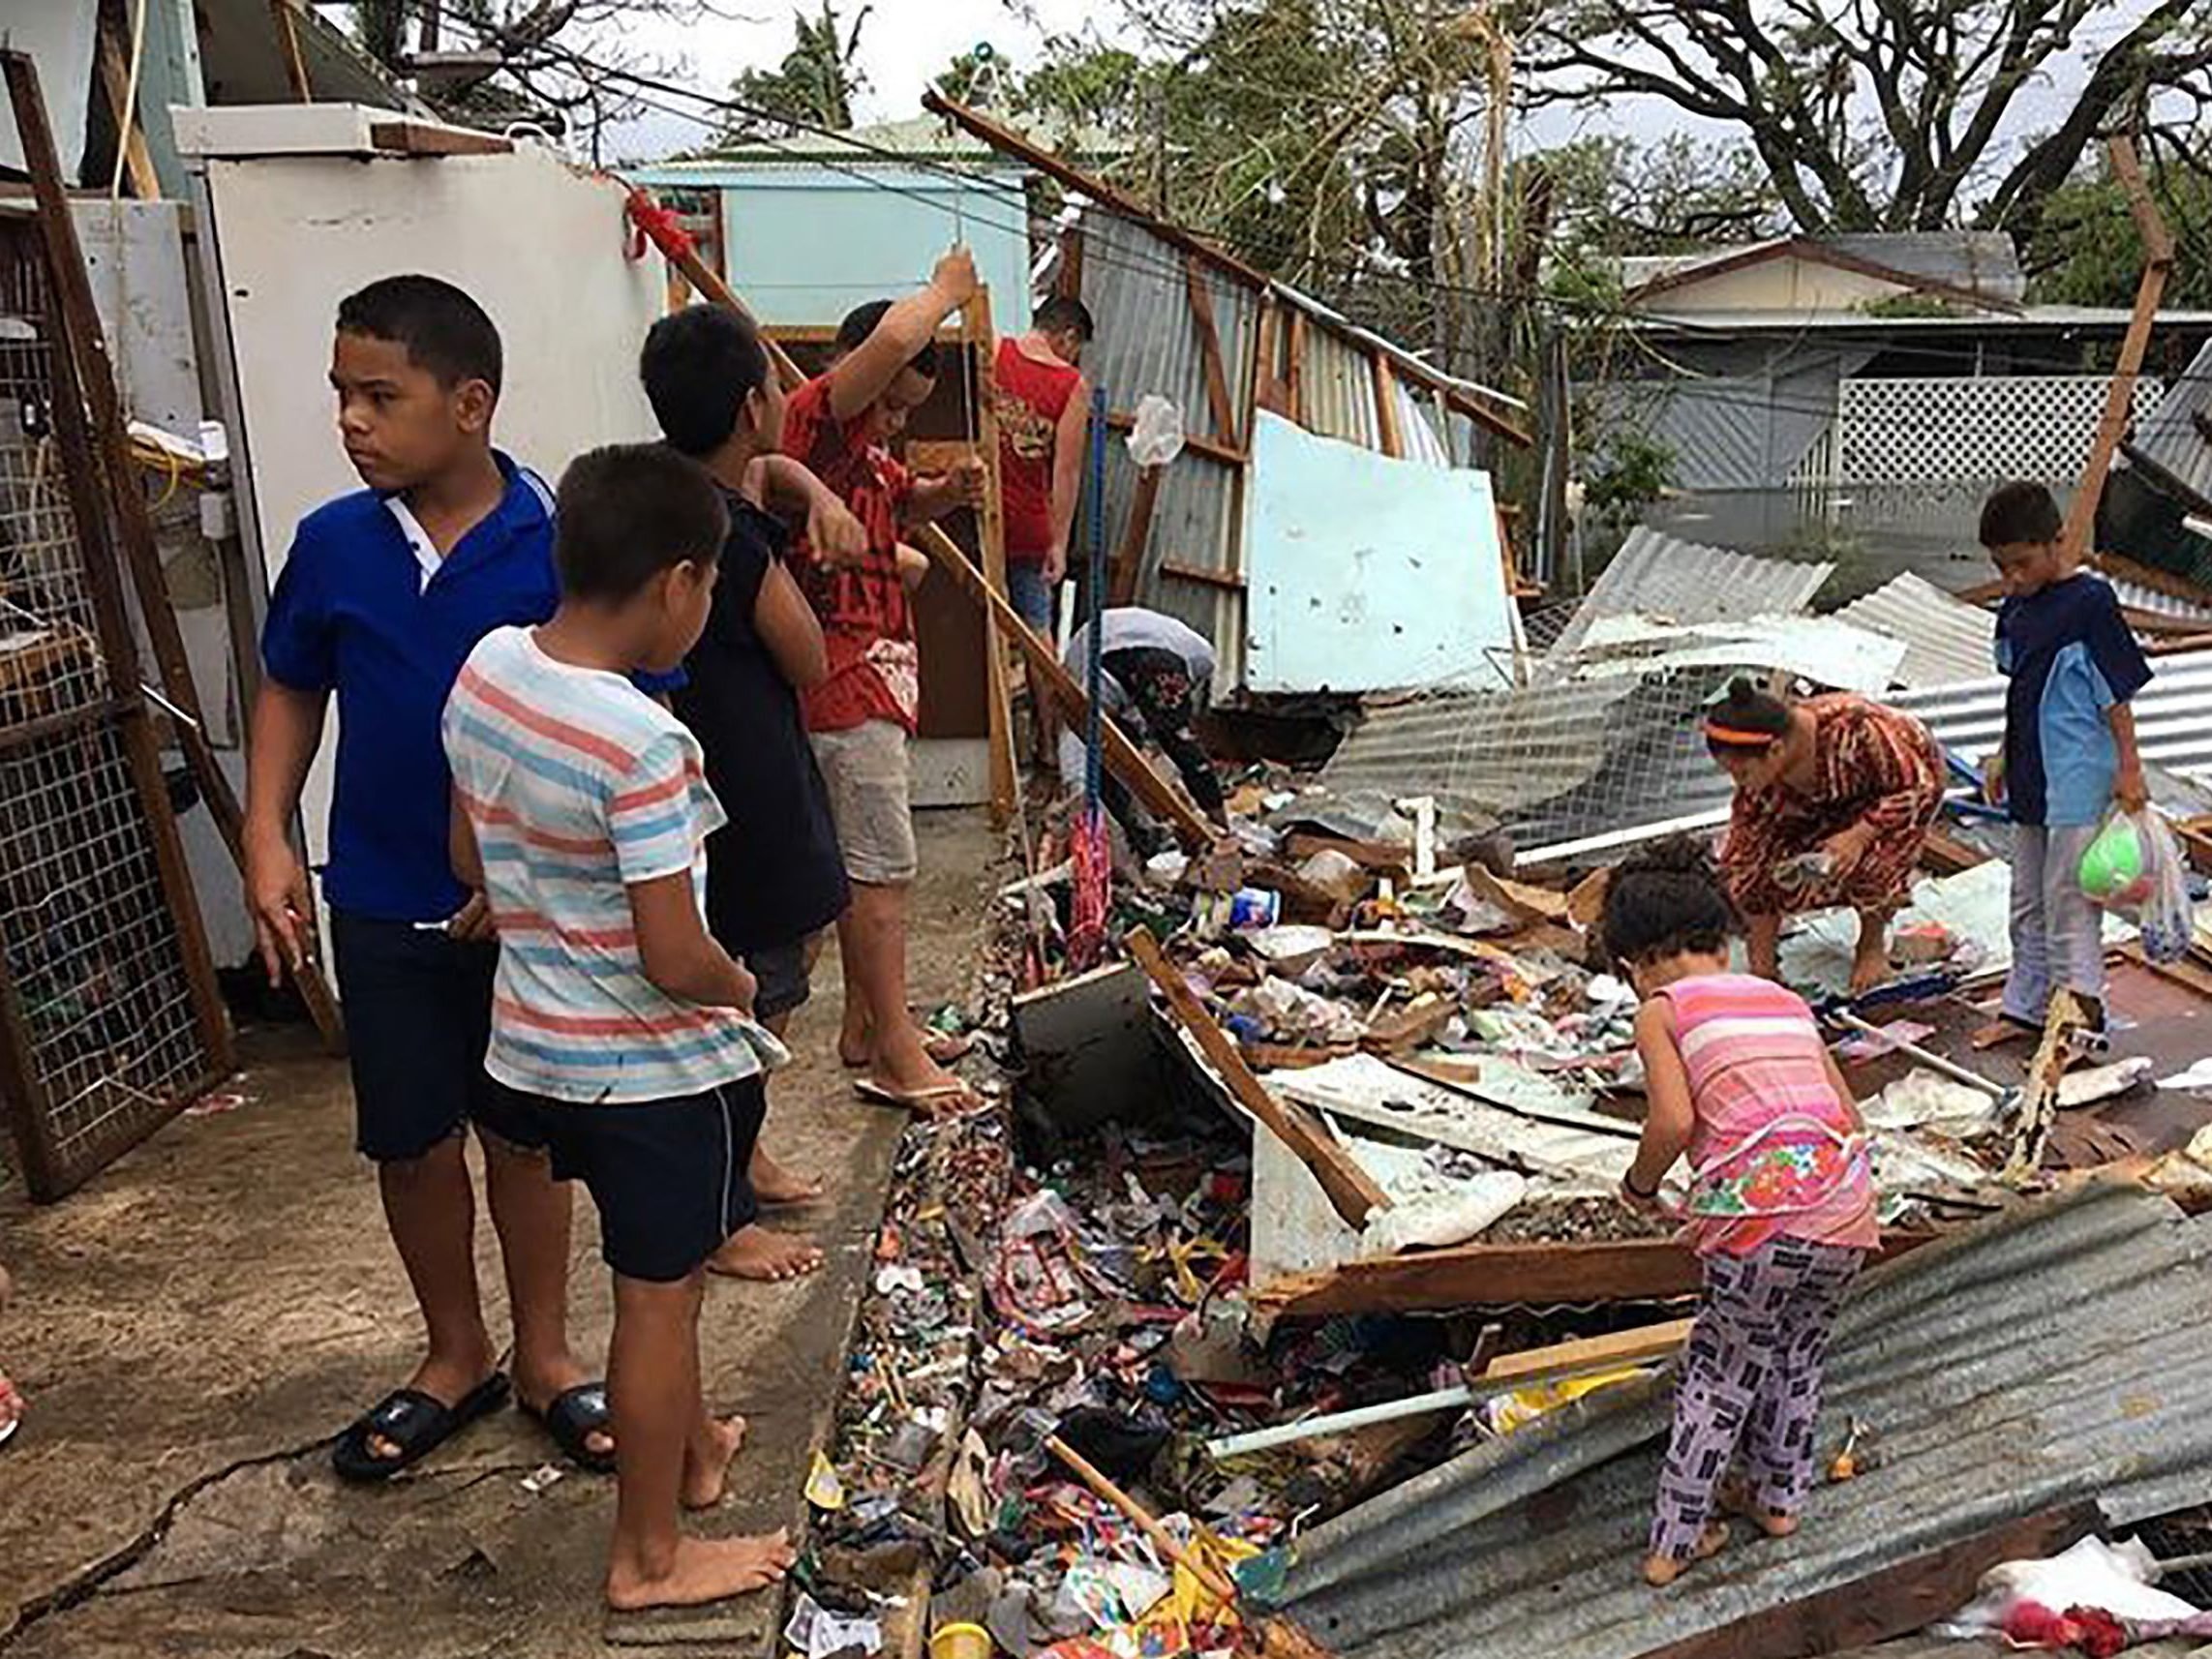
{"type": "Point", "coordinates": [816, 82]}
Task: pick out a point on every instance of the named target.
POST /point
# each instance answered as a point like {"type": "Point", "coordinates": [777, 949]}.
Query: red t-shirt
{"type": "Point", "coordinates": [1030, 399]}
{"type": "Point", "coordinates": [866, 623]}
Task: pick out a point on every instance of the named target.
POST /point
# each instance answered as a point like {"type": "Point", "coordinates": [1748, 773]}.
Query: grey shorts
{"type": "Point", "coordinates": [864, 768]}
{"type": "Point", "coordinates": [786, 976]}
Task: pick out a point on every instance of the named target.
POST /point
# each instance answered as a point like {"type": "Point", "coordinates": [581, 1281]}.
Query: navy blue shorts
{"type": "Point", "coordinates": [418, 1018]}
{"type": "Point", "coordinates": [786, 978]}
{"type": "Point", "coordinates": [668, 1177]}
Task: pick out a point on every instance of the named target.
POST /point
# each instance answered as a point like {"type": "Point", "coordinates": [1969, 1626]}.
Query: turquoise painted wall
{"type": "Point", "coordinates": [804, 244]}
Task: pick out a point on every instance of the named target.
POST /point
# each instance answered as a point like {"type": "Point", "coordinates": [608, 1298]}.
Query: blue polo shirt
{"type": "Point", "coordinates": [2070, 657]}
{"type": "Point", "coordinates": [354, 613]}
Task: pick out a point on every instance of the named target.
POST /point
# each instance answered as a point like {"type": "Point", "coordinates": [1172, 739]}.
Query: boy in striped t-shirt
{"type": "Point", "coordinates": [582, 812]}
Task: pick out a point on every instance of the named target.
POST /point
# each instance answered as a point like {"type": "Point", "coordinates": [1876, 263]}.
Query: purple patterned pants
{"type": "Point", "coordinates": [1751, 1375]}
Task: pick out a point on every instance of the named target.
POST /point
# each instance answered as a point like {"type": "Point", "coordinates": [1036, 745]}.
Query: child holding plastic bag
{"type": "Point", "coordinates": [1780, 1207]}
{"type": "Point", "coordinates": [2137, 867]}
{"type": "Point", "coordinates": [2069, 753]}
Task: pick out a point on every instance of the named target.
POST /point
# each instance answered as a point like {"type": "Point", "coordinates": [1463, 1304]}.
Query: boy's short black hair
{"type": "Point", "coordinates": [629, 511]}
{"type": "Point", "coordinates": [861, 322]}
{"type": "Point", "coordinates": [699, 365]}
{"type": "Point", "coordinates": [1064, 314]}
{"type": "Point", "coordinates": [2022, 511]}
{"type": "Point", "coordinates": [445, 331]}
{"type": "Point", "coordinates": [1664, 900]}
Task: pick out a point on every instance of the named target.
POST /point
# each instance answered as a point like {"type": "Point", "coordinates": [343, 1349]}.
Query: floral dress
{"type": "Point", "coordinates": [1872, 765]}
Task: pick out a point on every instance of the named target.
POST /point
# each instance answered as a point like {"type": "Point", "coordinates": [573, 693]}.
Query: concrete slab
{"type": "Point", "coordinates": [192, 1326]}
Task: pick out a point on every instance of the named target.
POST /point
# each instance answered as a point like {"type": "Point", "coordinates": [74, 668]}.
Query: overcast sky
{"type": "Point", "coordinates": [904, 45]}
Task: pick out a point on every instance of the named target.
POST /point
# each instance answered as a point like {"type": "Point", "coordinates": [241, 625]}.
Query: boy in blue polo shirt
{"type": "Point", "coordinates": [384, 595]}
{"type": "Point", "coordinates": [2068, 754]}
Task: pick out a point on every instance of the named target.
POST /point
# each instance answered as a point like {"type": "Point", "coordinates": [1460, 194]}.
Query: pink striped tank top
{"type": "Point", "coordinates": [1773, 1153]}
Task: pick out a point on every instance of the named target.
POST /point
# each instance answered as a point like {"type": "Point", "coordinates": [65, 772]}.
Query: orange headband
{"type": "Point", "coordinates": [1737, 737]}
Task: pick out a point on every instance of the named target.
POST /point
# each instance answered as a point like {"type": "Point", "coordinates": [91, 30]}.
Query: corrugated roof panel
{"type": "Point", "coordinates": [1336, 387]}
{"type": "Point", "coordinates": [1947, 640]}
{"type": "Point", "coordinates": [2170, 434]}
{"type": "Point", "coordinates": [1657, 575]}
{"type": "Point", "coordinates": [2052, 1356]}
{"type": "Point", "coordinates": [2173, 715]}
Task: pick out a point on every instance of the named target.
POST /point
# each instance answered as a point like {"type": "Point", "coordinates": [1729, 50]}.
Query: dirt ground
{"type": "Point", "coordinates": [192, 1326]}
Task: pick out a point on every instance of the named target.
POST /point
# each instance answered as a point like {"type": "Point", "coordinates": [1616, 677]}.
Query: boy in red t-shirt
{"type": "Point", "coordinates": [1043, 407]}
{"type": "Point", "coordinates": [861, 715]}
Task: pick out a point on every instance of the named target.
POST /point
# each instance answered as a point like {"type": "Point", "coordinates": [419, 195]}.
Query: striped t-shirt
{"type": "Point", "coordinates": [579, 785]}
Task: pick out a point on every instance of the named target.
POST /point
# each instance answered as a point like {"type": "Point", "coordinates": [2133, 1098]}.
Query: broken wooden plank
{"type": "Point", "coordinates": [427, 138]}
{"type": "Point", "coordinates": [122, 101]}
{"type": "Point", "coordinates": [1294, 368]}
{"type": "Point", "coordinates": [1393, 441]}
{"type": "Point", "coordinates": [1530, 906]}
{"type": "Point", "coordinates": [1895, 1600]}
{"type": "Point", "coordinates": [1228, 581]}
{"type": "Point", "coordinates": [1586, 1354]}
{"type": "Point", "coordinates": [1210, 350]}
{"type": "Point", "coordinates": [1196, 443]}
{"type": "Point", "coordinates": [1401, 1030]}
{"type": "Point", "coordinates": [979, 347]}
{"type": "Point", "coordinates": [288, 46]}
{"type": "Point", "coordinates": [1128, 563]}
{"type": "Point", "coordinates": [1353, 1193]}
{"type": "Point", "coordinates": [1500, 1276]}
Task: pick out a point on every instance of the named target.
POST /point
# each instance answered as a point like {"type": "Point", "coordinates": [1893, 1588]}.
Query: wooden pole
{"type": "Point", "coordinates": [115, 76]}
{"type": "Point", "coordinates": [1129, 558]}
{"type": "Point", "coordinates": [979, 343]}
{"type": "Point", "coordinates": [109, 439]}
{"type": "Point", "coordinates": [1353, 1193]}
{"type": "Point", "coordinates": [2119, 398]}
{"type": "Point", "coordinates": [1122, 757]}
{"type": "Point", "coordinates": [287, 47]}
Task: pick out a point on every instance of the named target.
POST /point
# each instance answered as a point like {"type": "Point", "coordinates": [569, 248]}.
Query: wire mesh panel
{"type": "Point", "coordinates": [106, 1007]}
{"type": "Point", "coordinates": [108, 1022]}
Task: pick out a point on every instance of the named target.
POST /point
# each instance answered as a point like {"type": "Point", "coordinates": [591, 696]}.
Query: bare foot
{"type": "Point", "coordinates": [757, 1253]}
{"type": "Point", "coordinates": [1870, 967]}
{"type": "Point", "coordinates": [1660, 1571]}
{"type": "Point", "coordinates": [773, 1183]}
{"type": "Point", "coordinates": [1999, 1032]}
{"type": "Point", "coordinates": [1774, 1523]}
{"type": "Point", "coordinates": [704, 1570]}
{"type": "Point", "coordinates": [707, 1467]}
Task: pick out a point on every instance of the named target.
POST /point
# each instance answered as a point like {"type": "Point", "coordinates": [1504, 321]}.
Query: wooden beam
{"type": "Point", "coordinates": [1895, 1600]}
{"type": "Point", "coordinates": [1196, 443]}
{"type": "Point", "coordinates": [1122, 757]}
{"type": "Point", "coordinates": [288, 47]}
{"type": "Point", "coordinates": [1228, 581]}
{"type": "Point", "coordinates": [979, 347]}
{"type": "Point", "coordinates": [1294, 368]}
{"type": "Point", "coordinates": [1266, 394]}
{"type": "Point", "coordinates": [1068, 281]}
{"type": "Point", "coordinates": [1210, 350]}
{"type": "Point", "coordinates": [2119, 398]}
{"type": "Point", "coordinates": [1353, 1193]}
{"type": "Point", "coordinates": [115, 76]}
{"type": "Point", "coordinates": [1496, 1276]}
{"type": "Point", "coordinates": [423, 139]}
{"type": "Point", "coordinates": [1586, 1354]}
{"type": "Point", "coordinates": [1129, 558]}
{"type": "Point", "coordinates": [1386, 406]}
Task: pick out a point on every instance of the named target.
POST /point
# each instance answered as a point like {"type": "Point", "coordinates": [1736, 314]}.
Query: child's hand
{"type": "Point", "coordinates": [1848, 848]}
{"type": "Point", "coordinates": [472, 923]}
{"type": "Point", "coordinates": [2130, 789]}
{"type": "Point", "coordinates": [954, 278]}
{"type": "Point", "coordinates": [837, 537]}
{"type": "Point", "coordinates": [913, 567]}
{"type": "Point", "coordinates": [748, 987]}
{"type": "Point", "coordinates": [1993, 780]}
{"type": "Point", "coordinates": [1056, 561]}
{"type": "Point", "coordinates": [970, 480]}
{"type": "Point", "coordinates": [1647, 1203]}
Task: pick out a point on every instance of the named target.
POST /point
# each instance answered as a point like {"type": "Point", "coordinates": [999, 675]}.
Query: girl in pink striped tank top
{"type": "Point", "coordinates": [1780, 1203]}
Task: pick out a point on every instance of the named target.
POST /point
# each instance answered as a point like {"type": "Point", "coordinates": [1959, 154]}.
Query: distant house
{"type": "Point", "coordinates": [1865, 389]}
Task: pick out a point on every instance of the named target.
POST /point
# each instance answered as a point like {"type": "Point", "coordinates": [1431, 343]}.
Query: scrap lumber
{"type": "Point", "coordinates": [1497, 1275]}
{"type": "Point", "coordinates": [1353, 1193]}
{"type": "Point", "coordinates": [428, 139]}
{"type": "Point", "coordinates": [1122, 757]}
{"type": "Point", "coordinates": [2119, 399]}
{"type": "Point", "coordinates": [1586, 1354]}
{"type": "Point", "coordinates": [1892, 1601]}
{"type": "Point", "coordinates": [1210, 347]}
{"type": "Point", "coordinates": [1128, 563]}
{"type": "Point", "coordinates": [286, 22]}
{"type": "Point", "coordinates": [122, 98]}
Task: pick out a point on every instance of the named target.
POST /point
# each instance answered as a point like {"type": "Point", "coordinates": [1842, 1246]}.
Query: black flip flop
{"type": "Point", "coordinates": [573, 1419]}
{"type": "Point", "coordinates": [415, 1423]}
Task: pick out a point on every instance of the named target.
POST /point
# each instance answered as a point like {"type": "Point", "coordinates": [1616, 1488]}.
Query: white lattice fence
{"type": "Point", "coordinates": [1944, 432]}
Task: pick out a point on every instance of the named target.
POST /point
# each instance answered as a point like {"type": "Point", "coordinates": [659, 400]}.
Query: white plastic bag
{"type": "Point", "coordinates": [2161, 909]}
{"type": "Point", "coordinates": [1157, 437]}
{"type": "Point", "coordinates": [2115, 1578]}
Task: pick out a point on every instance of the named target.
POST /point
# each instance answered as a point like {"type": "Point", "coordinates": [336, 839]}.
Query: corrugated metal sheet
{"type": "Point", "coordinates": [2173, 715]}
{"type": "Point", "coordinates": [1947, 640]}
{"type": "Point", "coordinates": [2136, 597]}
{"type": "Point", "coordinates": [1981, 261]}
{"type": "Point", "coordinates": [2169, 435]}
{"type": "Point", "coordinates": [1657, 575]}
{"type": "Point", "coordinates": [1337, 389]}
{"type": "Point", "coordinates": [2056, 1355]}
